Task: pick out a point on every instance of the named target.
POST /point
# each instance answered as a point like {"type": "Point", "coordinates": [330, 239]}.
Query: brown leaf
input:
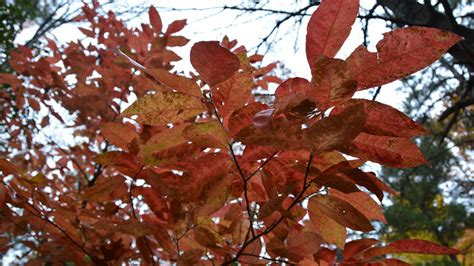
{"type": "Point", "coordinates": [7, 168]}
{"type": "Point", "coordinates": [369, 181]}
{"type": "Point", "coordinates": [106, 189]}
{"type": "Point", "coordinates": [279, 133]}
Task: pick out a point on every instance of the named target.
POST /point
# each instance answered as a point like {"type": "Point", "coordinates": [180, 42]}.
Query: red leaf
{"type": "Point", "coordinates": [118, 134]}
{"type": "Point", "coordinates": [389, 151]}
{"type": "Point", "coordinates": [421, 247]}
{"type": "Point", "coordinates": [363, 203]}
{"type": "Point", "coordinates": [410, 246]}
{"type": "Point", "coordinates": [341, 183]}
{"type": "Point", "coordinates": [87, 32]}
{"type": "Point", "coordinates": [122, 161]}
{"type": "Point", "coordinates": [331, 231]}
{"type": "Point", "coordinates": [384, 120]}
{"type": "Point", "coordinates": [401, 52]}
{"type": "Point", "coordinates": [262, 118]}
{"type": "Point", "coordinates": [291, 93]}
{"type": "Point", "coordinates": [106, 189]}
{"type": "Point", "coordinates": [190, 257]}
{"type": "Point", "coordinates": [332, 82]}
{"type": "Point", "coordinates": [369, 181]}
{"type": "Point", "coordinates": [175, 26]}
{"type": "Point", "coordinates": [335, 131]}
{"type": "Point", "coordinates": [233, 93]}
{"type": "Point", "coordinates": [213, 62]}
{"type": "Point", "coordinates": [155, 19]}
{"type": "Point", "coordinates": [279, 133]}
{"type": "Point", "coordinates": [356, 246]}
{"type": "Point", "coordinates": [329, 27]}
{"type": "Point", "coordinates": [242, 117]}
{"type": "Point", "coordinates": [204, 237]}
{"type": "Point", "coordinates": [342, 212]}
{"type": "Point", "coordinates": [7, 168]}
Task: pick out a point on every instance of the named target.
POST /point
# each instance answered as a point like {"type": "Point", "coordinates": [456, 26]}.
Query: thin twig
{"type": "Point", "coordinates": [277, 222]}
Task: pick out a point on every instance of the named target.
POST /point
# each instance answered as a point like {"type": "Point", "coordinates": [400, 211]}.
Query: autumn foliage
{"type": "Point", "coordinates": [196, 171]}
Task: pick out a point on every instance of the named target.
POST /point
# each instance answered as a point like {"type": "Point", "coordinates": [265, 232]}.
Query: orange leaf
{"type": "Point", "coordinates": [166, 139]}
{"type": "Point", "coordinates": [233, 93]}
